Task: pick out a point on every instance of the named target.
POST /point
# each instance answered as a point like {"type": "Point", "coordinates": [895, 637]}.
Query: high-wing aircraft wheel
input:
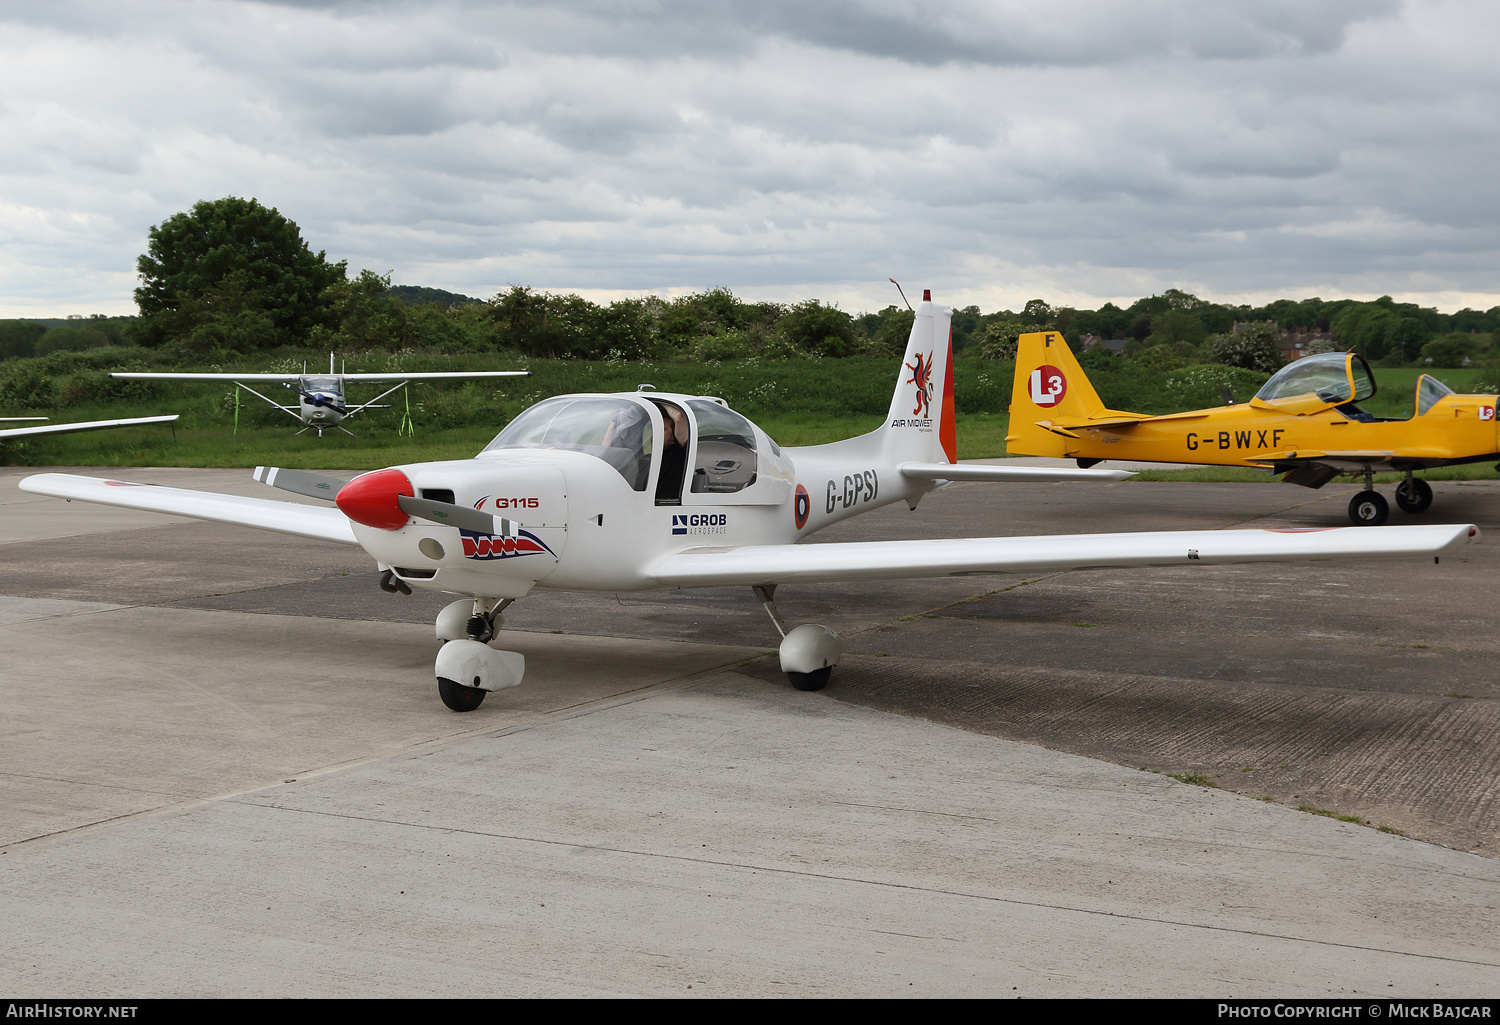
{"type": "Point", "coordinates": [1414, 496]}
{"type": "Point", "coordinates": [458, 697]}
{"type": "Point", "coordinates": [815, 680]}
{"type": "Point", "coordinates": [1368, 509]}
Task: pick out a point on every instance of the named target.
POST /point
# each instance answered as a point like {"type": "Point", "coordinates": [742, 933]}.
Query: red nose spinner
{"type": "Point", "coordinates": [371, 499]}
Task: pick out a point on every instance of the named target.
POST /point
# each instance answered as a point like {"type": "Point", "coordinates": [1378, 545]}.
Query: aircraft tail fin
{"type": "Point", "coordinates": [921, 424]}
{"type": "Point", "coordinates": [1049, 383]}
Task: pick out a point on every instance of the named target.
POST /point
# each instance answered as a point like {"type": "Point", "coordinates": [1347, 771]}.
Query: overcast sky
{"type": "Point", "coordinates": [992, 150]}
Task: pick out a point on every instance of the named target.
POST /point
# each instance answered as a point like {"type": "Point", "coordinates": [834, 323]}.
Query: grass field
{"type": "Point", "coordinates": [797, 403]}
{"type": "Point", "coordinates": [979, 436]}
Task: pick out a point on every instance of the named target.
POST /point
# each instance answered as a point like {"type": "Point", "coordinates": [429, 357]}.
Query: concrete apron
{"type": "Point", "coordinates": [634, 819]}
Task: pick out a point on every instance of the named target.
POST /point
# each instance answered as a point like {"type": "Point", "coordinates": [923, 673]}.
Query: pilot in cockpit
{"type": "Point", "coordinates": [673, 454]}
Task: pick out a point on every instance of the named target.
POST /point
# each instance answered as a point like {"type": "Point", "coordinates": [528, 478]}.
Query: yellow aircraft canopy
{"type": "Point", "coordinates": [1429, 391]}
{"type": "Point", "coordinates": [1317, 382]}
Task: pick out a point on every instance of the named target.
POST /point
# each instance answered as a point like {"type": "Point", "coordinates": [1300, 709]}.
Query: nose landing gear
{"type": "Point", "coordinates": [467, 666]}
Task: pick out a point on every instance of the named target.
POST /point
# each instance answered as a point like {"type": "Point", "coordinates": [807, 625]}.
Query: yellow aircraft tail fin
{"type": "Point", "coordinates": [1049, 384]}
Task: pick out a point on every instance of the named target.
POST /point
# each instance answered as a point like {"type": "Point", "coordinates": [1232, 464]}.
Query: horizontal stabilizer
{"type": "Point", "coordinates": [89, 425]}
{"type": "Point", "coordinates": [282, 517]}
{"type": "Point", "coordinates": [1013, 474]}
{"type": "Point", "coordinates": [1073, 423]}
{"type": "Point", "coordinates": [885, 560]}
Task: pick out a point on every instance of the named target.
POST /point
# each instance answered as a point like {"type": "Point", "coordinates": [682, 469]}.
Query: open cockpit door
{"type": "Point", "coordinates": [731, 463]}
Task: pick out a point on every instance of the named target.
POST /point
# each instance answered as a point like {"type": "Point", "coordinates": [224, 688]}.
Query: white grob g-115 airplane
{"type": "Point", "coordinates": [322, 405]}
{"type": "Point", "coordinates": [642, 491]}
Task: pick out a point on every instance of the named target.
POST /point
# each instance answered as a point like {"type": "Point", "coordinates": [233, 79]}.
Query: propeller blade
{"type": "Point", "coordinates": [456, 516]}
{"type": "Point", "coordinates": [300, 482]}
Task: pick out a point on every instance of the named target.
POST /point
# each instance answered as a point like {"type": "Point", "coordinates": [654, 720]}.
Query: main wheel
{"type": "Point", "coordinates": [458, 697]}
{"type": "Point", "coordinates": [1414, 496]}
{"type": "Point", "coordinates": [815, 680]}
{"type": "Point", "coordinates": [1368, 509]}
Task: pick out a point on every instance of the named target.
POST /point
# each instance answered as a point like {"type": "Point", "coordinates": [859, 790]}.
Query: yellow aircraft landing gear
{"type": "Point", "coordinates": [1413, 495]}
{"type": "Point", "coordinates": [1369, 507]}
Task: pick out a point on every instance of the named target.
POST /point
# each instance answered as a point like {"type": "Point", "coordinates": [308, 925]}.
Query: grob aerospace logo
{"type": "Point", "coordinates": [700, 523]}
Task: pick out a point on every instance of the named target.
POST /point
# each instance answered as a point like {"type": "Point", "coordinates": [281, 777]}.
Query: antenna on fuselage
{"type": "Point", "coordinates": [902, 291]}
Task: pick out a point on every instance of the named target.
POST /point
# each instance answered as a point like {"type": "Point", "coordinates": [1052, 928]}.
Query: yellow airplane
{"type": "Point", "coordinates": [1305, 423]}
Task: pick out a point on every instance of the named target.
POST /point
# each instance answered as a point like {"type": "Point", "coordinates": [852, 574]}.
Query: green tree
{"type": "Point", "coordinates": [18, 337]}
{"type": "Point", "coordinates": [1175, 326]}
{"type": "Point", "coordinates": [1252, 346]}
{"type": "Point", "coordinates": [367, 314]}
{"type": "Point", "coordinates": [231, 273]}
{"type": "Point", "coordinates": [1451, 350]}
{"type": "Point", "coordinates": [819, 330]}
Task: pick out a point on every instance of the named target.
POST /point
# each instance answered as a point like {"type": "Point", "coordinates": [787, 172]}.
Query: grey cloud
{"type": "Point", "coordinates": [1236, 147]}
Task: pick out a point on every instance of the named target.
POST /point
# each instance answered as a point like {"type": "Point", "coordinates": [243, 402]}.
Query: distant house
{"type": "Point", "coordinates": [1298, 342]}
{"type": "Point", "coordinates": [1114, 345]}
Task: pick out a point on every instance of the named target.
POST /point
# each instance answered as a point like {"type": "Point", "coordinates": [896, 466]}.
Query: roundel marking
{"type": "Point", "coordinates": [1047, 385]}
{"type": "Point", "coordinates": [801, 506]}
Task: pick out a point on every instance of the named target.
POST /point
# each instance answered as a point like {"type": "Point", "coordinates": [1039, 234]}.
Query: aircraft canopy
{"type": "Point", "coordinates": [1429, 390]}
{"type": "Point", "coordinates": [617, 431]}
{"type": "Point", "coordinates": [1332, 377]}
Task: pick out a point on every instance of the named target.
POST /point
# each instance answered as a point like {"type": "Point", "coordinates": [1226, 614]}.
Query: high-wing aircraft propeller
{"type": "Point", "coordinates": [640, 491]}
{"type": "Point", "coordinates": [322, 405]}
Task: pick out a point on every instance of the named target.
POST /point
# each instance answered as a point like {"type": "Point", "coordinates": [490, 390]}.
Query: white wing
{"type": "Point", "coordinates": [287, 378]}
{"type": "Point", "coordinates": [89, 425]}
{"type": "Point", "coordinates": [453, 375]}
{"type": "Point", "coordinates": [884, 560]}
{"type": "Point", "coordinates": [294, 378]}
{"type": "Point", "coordinates": [1015, 474]}
{"type": "Point", "coordinates": [324, 523]}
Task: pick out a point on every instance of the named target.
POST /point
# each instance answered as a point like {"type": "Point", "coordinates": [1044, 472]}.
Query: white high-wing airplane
{"type": "Point", "coordinates": [322, 405]}
{"type": "Point", "coordinates": [86, 425]}
{"type": "Point", "coordinates": [646, 490]}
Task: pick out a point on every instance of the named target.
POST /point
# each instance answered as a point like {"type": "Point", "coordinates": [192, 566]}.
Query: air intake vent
{"type": "Point", "coordinates": [438, 495]}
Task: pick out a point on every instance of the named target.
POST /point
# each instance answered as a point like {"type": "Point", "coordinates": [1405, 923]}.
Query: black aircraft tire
{"type": "Point", "coordinates": [1368, 509]}
{"type": "Point", "coordinates": [458, 697]}
{"type": "Point", "coordinates": [815, 680]}
{"type": "Point", "coordinates": [1415, 499]}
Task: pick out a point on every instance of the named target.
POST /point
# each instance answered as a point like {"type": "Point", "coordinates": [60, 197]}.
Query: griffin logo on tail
{"type": "Point", "coordinates": [921, 376]}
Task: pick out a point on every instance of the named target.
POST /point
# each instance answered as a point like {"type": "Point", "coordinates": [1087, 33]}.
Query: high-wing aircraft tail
{"type": "Point", "coordinates": [1050, 391]}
